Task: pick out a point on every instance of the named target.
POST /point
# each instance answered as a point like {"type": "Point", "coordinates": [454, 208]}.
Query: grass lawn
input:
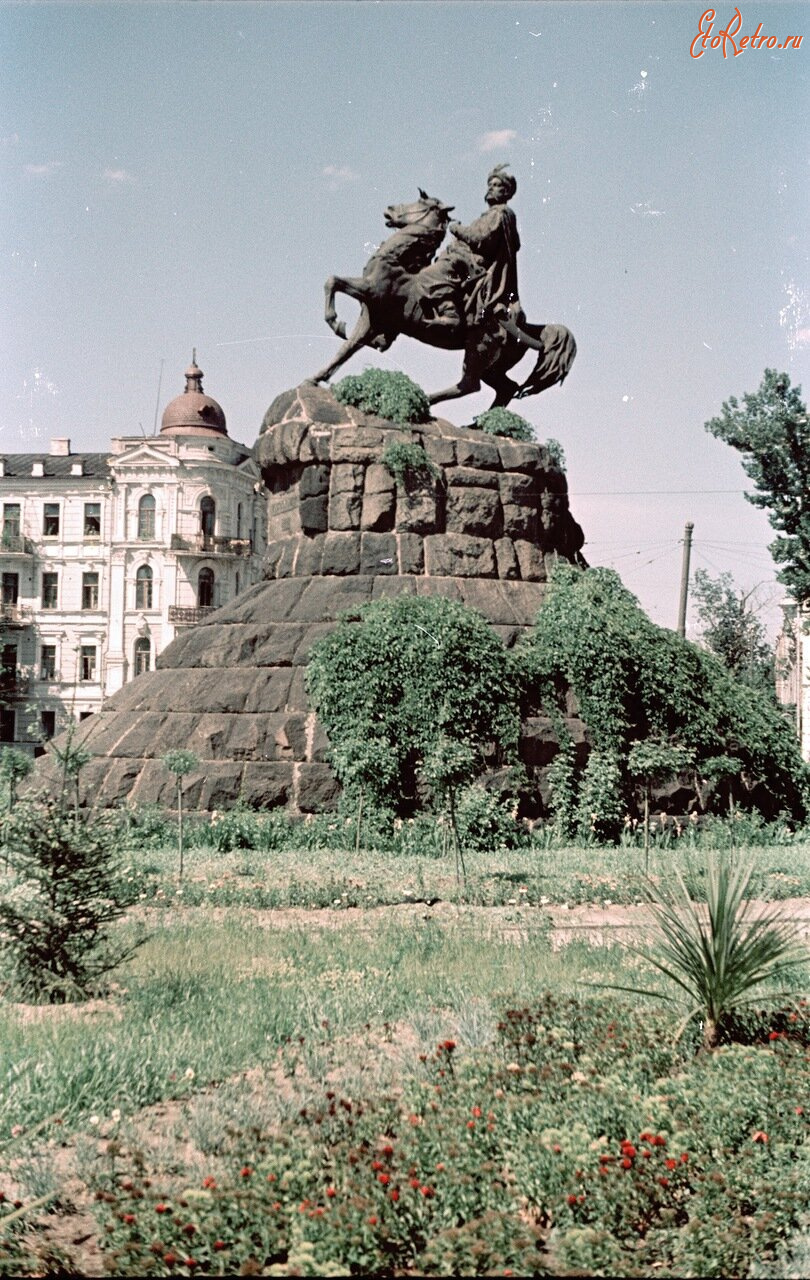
{"type": "Point", "coordinates": [318, 1064]}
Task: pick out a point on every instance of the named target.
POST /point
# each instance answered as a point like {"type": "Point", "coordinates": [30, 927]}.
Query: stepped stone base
{"type": "Point", "coordinates": [485, 529]}
{"type": "Point", "coordinates": [234, 695]}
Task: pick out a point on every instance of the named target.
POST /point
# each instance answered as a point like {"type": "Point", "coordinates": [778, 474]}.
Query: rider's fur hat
{"type": "Point", "coordinates": [506, 178]}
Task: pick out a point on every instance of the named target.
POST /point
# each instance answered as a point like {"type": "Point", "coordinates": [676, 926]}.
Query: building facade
{"type": "Point", "coordinates": [104, 556]}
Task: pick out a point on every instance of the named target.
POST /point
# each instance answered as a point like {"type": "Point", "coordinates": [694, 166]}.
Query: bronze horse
{"type": "Point", "coordinates": [404, 290]}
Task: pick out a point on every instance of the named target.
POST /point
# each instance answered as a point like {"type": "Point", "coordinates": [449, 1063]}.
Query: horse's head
{"type": "Point", "coordinates": [427, 212]}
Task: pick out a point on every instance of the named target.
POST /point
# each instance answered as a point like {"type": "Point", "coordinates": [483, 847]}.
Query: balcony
{"type": "Point", "coordinates": [207, 545]}
{"type": "Point", "coordinates": [15, 544]}
{"type": "Point", "coordinates": [189, 617]}
{"type": "Point", "coordinates": [15, 615]}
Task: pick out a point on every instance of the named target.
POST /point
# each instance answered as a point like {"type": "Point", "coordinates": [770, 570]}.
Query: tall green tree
{"type": "Point", "coordinates": [732, 631]}
{"type": "Point", "coordinates": [771, 432]}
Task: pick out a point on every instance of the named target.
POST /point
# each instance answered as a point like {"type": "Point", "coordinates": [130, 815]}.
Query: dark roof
{"type": "Point", "coordinates": [20, 465]}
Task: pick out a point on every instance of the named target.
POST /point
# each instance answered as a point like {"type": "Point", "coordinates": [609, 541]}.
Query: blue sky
{"type": "Point", "coordinates": [188, 174]}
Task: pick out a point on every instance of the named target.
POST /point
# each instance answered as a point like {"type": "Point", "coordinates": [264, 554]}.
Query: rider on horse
{"type": "Point", "coordinates": [474, 278]}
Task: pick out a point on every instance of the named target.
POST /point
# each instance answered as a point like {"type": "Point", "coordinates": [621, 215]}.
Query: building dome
{"type": "Point", "coordinates": [193, 412]}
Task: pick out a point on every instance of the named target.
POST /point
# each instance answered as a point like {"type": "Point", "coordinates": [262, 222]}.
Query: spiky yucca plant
{"type": "Point", "coordinates": [722, 954]}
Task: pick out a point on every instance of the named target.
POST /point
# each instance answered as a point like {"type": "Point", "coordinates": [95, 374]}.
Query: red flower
{"type": "Point", "coordinates": [394, 1195]}
{"type": "Point", "coordinates": [773, 1035]}
{"type": "Point", "coordinates": [170, 1259]}
{"type": "Point", "coordinates": [447, 1045]}
{"type": "Point", "coordinates": [377, 1165]}
{"type": "Point", "coordinates": [247, 1172]}
{"type": "Point", "coordinates": [128, 1218]}
{"type": "Point", "coordinates": [163, 1208]}
{"type": "Point", "coordinates": [190, 1263]}
{"type": "Point", "coordinates": [800, 1111]}
{"type": "Point", "coordinates": [759, 1136]}
{"type": "Point", "coordinates": [684, 1157]}
{"type": "Point", "coordinates": [414, 1183]}
{"type": "Point", "coordinates": [470, 1124]}
{"type": "Point", "coordinates": [372, 1222]}
{"type": "Point", "coordinates": [388, 1151]}
{"type": "Point", "coordinates": [658, 1141]}
{"type": "Point", "coordinates": [556, 1148]}
{"type": "Point", "coordinates": [628, 1149]}
{"type": "Point", "coordinates": [627, 1164]}
{"type": "Point", "coordinates": [571, 1199]}
{"type": "Point", "coordinates": [646, 1137]}
{"type": "Point", "coordinates": [606, 1159]}
{"type": "Point", "coordinates": [671, 1164]}
{"type": "Point", "coordinates": [331, 1192]}
{"type": "Point", "coordinates": [427, 1192]}
{"type": "Point", "coordinates": [663, 1182]}
{"type": "Point", "coordinates": [219, 1245]}
{"type": "Point", "coordinates": [209, 1182]}
{"type": "Point", "coordinates": [476, 1111]}
{"type": "Point", "coordinates": [189, 1229]}
{"type": "Point", "coordinates": [383, 1178]}
{"type": "Point", "coordinates": [271, 1177]}
{"type": "Point", "coordinates": [646, 1154]}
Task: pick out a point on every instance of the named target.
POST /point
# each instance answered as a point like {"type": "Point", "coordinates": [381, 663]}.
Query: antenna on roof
{"type": "Point", "coordinates": [157, 401]}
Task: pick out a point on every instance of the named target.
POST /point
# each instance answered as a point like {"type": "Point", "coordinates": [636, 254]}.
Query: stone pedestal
{"type": "Point", "coordinates": [485, 529]}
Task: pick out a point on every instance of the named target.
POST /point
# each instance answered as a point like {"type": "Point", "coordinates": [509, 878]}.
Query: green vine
{"type": "Point", "coordinates": [637, 683]}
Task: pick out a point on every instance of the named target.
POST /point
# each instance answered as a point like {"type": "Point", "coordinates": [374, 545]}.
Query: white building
{"type": "Point", "coordinates": [104, 556]}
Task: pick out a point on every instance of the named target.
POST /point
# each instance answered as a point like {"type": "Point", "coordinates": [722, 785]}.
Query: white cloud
{"type": "Point", "coordinates": [496, 139]}
{"type": "Point", "coordinates": [43, 170]}
{"type": "Point", "coordinates": [339, 172]}
{"type": "Point", "coordinates": [116, 177]}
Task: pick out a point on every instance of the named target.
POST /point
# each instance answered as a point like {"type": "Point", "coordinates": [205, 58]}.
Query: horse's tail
{"type": "Point", "coordinates": [557, 349]}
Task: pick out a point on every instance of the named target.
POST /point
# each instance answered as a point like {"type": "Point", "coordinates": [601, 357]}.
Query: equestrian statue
{"type": "Point", "coordinates": [466, 299]}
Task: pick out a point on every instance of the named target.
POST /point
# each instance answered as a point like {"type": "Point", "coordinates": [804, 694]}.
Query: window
{"type": "Point", "coordinates": [47, 662]}
{"type": "Point", "coordinates": [8, 660]}
{"type": "Point", "coordinates": [87, 662]}
{"type": "Point", "coordinates": [50, 590]}
{"type": "Point", "coordinates": [11, 588]}
{"type": "Point", "coordinates": [11, 521]}
{"type": "Point", "coordinates": [236, 592]}
{"type": "Point", "coordinates": [47, 722]}
{"type": "Point", "coordinates": [208, 516]}
{"type": "Point", "coordinates": [143, 588]}
{"type": "Point", "coordinates": [92, 519]}
{"type": "Point", "coordinates": [50, 520]}
{"type": "Point", "coordinates": [89, 590]}
{"type": "Point", "coordinates": [205, 589]}
{"type": "Point", "coordinates": [146, 518]}
{"type": "Point", "coordinates": [142, 656]}
{"type": "Point", "coordinates": [238, 519]}
{"type": "Point", "coordinates": [85, 715]}
{"type": "Point", "coordinates": [7, 724]}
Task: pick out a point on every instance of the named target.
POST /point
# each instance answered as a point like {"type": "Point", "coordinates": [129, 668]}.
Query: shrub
{"type": "Point", "coordinates": [413, 695]}
{"type": "Point", "coordinates": [635, 681]}
{"type": "Point", "coordinates": [409, 465]}
{"type": "Point", "coordinates": [718, 958]}
{"type": "Point", "coordinates": [68, 888]}
{"type": "Point", "coordinates": [386, 393]}
{"type": "Point", "coordinates": [502, 422]}
{"type": "Point", "coordinates": [488, 821]}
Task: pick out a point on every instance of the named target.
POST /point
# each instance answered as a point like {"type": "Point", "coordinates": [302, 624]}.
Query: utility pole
{"type": "Point", "coordinates": [687, 553]}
